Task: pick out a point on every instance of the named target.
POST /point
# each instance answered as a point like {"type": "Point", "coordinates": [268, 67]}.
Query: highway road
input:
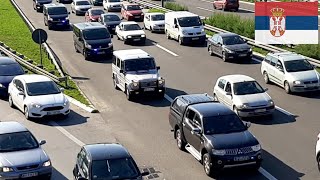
{"type": "Point", "coordinates": [288, 139]}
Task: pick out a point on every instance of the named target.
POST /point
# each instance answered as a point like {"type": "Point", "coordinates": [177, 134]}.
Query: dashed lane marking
{"type": "Point", "coordinates": [166, 50]}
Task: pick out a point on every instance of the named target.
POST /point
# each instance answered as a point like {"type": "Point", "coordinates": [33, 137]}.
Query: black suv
{"type": "Point", "coordinates": [213, 133]}
{"type": "Point", "coordinates": [38, 4]}
{"type": "Point", "coordinates": [56, 15]}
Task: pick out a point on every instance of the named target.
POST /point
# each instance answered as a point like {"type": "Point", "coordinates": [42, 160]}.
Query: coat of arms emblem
{"type": "Point", "coordinates": [277, 22]}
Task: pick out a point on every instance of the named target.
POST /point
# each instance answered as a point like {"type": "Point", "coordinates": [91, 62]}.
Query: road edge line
{"type": "Point", "coordinates": [67, 134]}
{"type": "Point", "coordinates": [165, 49]}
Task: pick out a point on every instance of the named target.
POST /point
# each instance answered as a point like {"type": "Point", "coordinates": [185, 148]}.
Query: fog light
{"type": "Point", "coordinates": [160, 90]}
{"type": "Point", "coordinates": [219, 162]}
{"type": "Point", "coordinates": [259, 156]}
{"type": "Point", "coordinates": [137, 92]}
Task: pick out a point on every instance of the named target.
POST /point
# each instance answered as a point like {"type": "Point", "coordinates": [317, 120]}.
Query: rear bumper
{"type": "Point", "coordinates": [135, 18]}
{"type": "Point", "coordinates": [133, 40]}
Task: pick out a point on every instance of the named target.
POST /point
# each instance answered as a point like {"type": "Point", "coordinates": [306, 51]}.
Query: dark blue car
{"type": "Point", "coordinates": [9, 68]}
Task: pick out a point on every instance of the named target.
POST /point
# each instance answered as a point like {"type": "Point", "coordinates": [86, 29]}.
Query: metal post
{"type": "Point", "coordinates": [162, 3]}
{"type": "Point", "coordinates": [40, 49]}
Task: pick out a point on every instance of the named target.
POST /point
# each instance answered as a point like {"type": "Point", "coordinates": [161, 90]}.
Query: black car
{"type": "Point", "coordinates": [56, 15]}
{"type": "Point", "coordinates": [38, 4]}
{"type": "Point", "coordinates": [213, 133]}
{"type": "Point", "coordinates": [229, 46]}
{"type": "Point", "coordinates": [110, 20]}
{"type": "Point", "coordinates": [106, 161]}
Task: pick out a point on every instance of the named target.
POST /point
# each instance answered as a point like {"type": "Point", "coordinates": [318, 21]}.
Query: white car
{"type": "Point", "coordinates": [37, 96]}
{"type": "Point", "coordinates": [112, 5]}
{"type": "Point", "coordinates": [130, 32]}
{"type": "Point", "coordinates": [154, 22]}
{"type": "Point", "coordinates": [80, 7]}
{"type": "Point", "coordinates": [243, 95]}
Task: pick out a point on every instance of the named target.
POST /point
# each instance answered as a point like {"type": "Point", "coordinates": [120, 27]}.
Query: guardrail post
{"type": "Point", "coordinates": [162, 3]}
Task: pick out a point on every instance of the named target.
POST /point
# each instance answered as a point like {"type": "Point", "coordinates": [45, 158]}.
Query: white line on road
{"type": "Point", "coordinates": [205, 9]}
{"type": "Point", "coordinates": [284, 111]}
{"type": "Point", "coordinates": [206, 1]}
{"type": "Point", "coordinates": [168, 98]}
{"type": "Point", "coordinates": [67, 134]}
{"type": "Point", "coordinates": [165, 49]}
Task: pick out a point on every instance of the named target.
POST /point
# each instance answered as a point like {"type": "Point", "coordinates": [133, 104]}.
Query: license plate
{"type": "Point", "coordinates": [100, 52]}
{"type": "Point", "coordinates": [53, 112]}
{"type": "Point", "coordinates": [59, 24]}
{"type": "Point", "coordinates": [241, 158]}
{"type": "Point", "coordinates": [242, 55]}
{"type": "Point", "coordinates": [311, 85]}
{"type": "Point", "coordinates": [260, 110]}
{"type": "Point", "coordinates": [196, 38]}
{"type": "Point", "coordinates": [137, 17]}
{"type": "Point", "coordinates": [136, 39]}
{"type": "Point", "coordinates": [113, 28]}
{"type": "Point", "coordinates": [149, 89]}
{"type": "Point", "coordinates": [29, 175]}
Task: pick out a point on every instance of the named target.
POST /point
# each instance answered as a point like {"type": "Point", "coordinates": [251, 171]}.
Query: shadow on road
{"type": "Point", "coordinates": [56, 175]}
{"type": "Point", "coordinates": [278, 117]}
{"type": "Point", "coordinates": [310, 95]}
{"type": "Point", "coordinates": [173, 93]}
{"type": "Point", "coordinates": [73, 119]}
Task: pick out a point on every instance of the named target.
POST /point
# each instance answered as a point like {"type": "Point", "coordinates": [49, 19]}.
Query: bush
{"type": "Point", "coordinates": [310, 50]}
{"type": "Point", "coordinates": [175, 7]}
{"type": "Point", "coordinates": [156, 10]}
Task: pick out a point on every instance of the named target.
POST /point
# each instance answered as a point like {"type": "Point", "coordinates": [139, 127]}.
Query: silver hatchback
{"type": "Point", "coordinates": [21, 156]}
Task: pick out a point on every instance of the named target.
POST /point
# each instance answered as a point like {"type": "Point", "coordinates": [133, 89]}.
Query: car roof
{"type": "Point", "coordinates": [30, 78]}
{"type": "Point", "coordinates": [235, 78]}
{"type": "Point", "coordinates": [179, 14]}
{"type": "Point", "coordinates": [131, 54]}
{"type": "Point", "coordinates": [103, 151]}
{"type": "Point", "coordinates": [195, 98]}
{"type": "Point", "coordinates": [155, 13]}
{"type": "Point", "coordinates": [52, 5]}
{"type": "Point", "coordinates": [89, 25]}
{"type": "Point", "coordinates": [211, 109]}
{"type": "Point", "coordinates": [287, 56]}
{"type": "Point", "coordinates": [227, 34]}
{"type": "Point", "coordinates": [11, 127]}
{"type": "Point", "coordinates": [7, 60]}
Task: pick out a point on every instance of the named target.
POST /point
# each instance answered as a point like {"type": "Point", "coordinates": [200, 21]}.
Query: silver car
{"type": "Point", "coordinates": [21, 156]}
{"type": "Point", "coordinates": [290, 71]}
{"type": "Point", "coordinates": [243, 95]}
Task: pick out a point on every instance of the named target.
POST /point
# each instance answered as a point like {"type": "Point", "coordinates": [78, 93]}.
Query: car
{"type": "Point", "coordinates": [37, 96]}
{"type": "Point", "coordinates": [106, 161]}
{"type": "Point", "coordinates": [38, 4]}
{"type": "Point", "coordinates": [93, 15]}
{"type": "Point", "coordinates": [112, 5]}
{"type": "Point", "coordinates": [291, 71]}
{"type": "Point", "coordinates": [135, 72]}
{"type": "Point", "coordinates": [154, 22]}
{"type": "Point", "coordinates": [92, 39]}
{"type": "Point", "coordinates": [132, 12]}
{"type": "Point", "coordinates": [110, 20]}
{"type": "Point", "coordinates": [9, 68]}
{"type": "Point", "coordinates": [229, 46]}
{"type": "Point", "coordinates": [318, 151]}
{"type": "Point", "coordinates": [130, 32]}
{"type": "Point", "coordinates": [226, 5]}
{"type": "Point", "coordinates": [244, 95]}
{"type": "Point", "coordinates": [56, 15]}
{"type": "Point", "coordinates": [21, 155]}
{"type": "Point", "coordinates": [213, 134]}
{"type": "Point", "coordinates": [80, 7]}
{"type": "Point", "coordinates": [97, 2]}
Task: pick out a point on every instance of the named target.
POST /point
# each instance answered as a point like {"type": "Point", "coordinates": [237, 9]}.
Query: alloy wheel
{"type": "Point", "coordinates": [210, 50]}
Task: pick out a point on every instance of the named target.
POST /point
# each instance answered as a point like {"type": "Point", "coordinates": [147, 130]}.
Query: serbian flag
{"type": "Point", "coordinates": [286, 22]}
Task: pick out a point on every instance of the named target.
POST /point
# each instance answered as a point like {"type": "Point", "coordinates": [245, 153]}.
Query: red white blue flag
{"type": "Point", "coordinates": [286, 22]}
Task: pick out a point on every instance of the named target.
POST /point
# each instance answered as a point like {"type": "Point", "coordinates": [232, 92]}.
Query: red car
{"type": "Point", "coordinates": [93, 15]}
{"type": "Point", "coordinates": [132, 12]}
{"type": "Point", "coordinates": [226, 4]}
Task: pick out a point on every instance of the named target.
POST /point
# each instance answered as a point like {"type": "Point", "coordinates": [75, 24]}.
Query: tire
{"type": "Point", "coordinates": [180, 40]}
{"type": "Point", "coordinates": [287, 87]}
{"type": "Point", "coordinates": [85, 54]}
{"type": "Point", "coordinates": [266, 77]}
{"type": "Point", "coordinates": [235, 110]}
{"type": "Point", "coordinates": [75, 48]}
{"type": "Point", "coordinates": [257, 166]}
{"type": "Point", "coordinates": [210, 50]}
{"type": "Point", "coordinates": [215, 97]}
{"type": "Point", "coordinates": [10, 101]}
{"type": "Point", "coordinates": [318, 161]}
{"type": "Point", "coordinates": [26, 113]}
{"type": "Point", "coordinates": [115, 83]}
{"type": "Point", "coordinates": [152, 31]}
{"type": "Point", "coordinates": [49, 27]}
{"type": "Point", "coordinates": [168, 35]}
{"type": "Point", "coordinates": [224, 59]}
{"type": "Point", "coordinates": [237, 9]}
{"type": "Point", "coordinates": [207, 166]}
{"type": "Point", "coordinates": [180, 142]}
{"type": "Point", "coordinates": [128, 94]}
{"type": "Point", "coordinates": [214, 7]}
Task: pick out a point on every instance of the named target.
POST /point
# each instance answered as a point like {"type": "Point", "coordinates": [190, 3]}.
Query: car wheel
{"type": "Point", "coordinates": [10, 101]}
{"type": "Point", "coordinates": [26, 113]}
{"type": "Point", "coordinates": [115, 83]}
{"type": "Point", "coordinates": [180, 40]}
{"type": "Point", "coordinates": [85, 54]}
{"type": "Point", "coordinates": [237, 9]}
{"type": "Point", "coordinates": [287, 87]}
{"type": "Point", "coordinates": [210, 50]}
{"type": "Point", "coordinates": [318, 162]}
{"type": "Point", "coordinates": [215, 97]}
{"type": "Point", "coordinates": [151, 29]}
{"type": "Point", "coordinates": [224, 57]}
{"type": "Point", "coordinates": [207, 165]}
{"type": "Point", "coordinates": [257, 166]}
{"type": "Point", "coordinates": [128, 94]}
{"type": "Point", "coordinates": [49, 27]}
{"type": "Point", "coordinates": [168, 35]}
{"type": "Point", "coordinates": [266, 77]}
{"type": "Point", "coordinates": [75, 47]}
{"type": "Point", "coordinates": [180, 142]}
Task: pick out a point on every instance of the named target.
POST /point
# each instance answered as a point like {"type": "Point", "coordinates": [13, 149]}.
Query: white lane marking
{"type": "Point", "coordinates": [205, 9]}
{"type": "Point", "coordinates": [168, 98]}
{"type": "Point", "coordinates": [165, 49]}
{"type": "Point", "coordinates": [266, 174]}
{"type": "Point", "coordinates": [247, 10]}
{"type": "Point", "coordinates": [257, 60]}
{"type": "Point", "coordinates": [67, 134]}
{"type": "Point", "coordinates": [284, 111]}
{"type": "Point", "coordinates": [206, 1]}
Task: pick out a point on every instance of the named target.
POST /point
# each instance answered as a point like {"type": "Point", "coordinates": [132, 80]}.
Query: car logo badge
{"type": "Point", "coordinates": [239, 152]}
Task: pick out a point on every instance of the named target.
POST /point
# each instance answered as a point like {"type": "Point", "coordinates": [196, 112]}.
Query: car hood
{"type": "Point", "coordinates": [83, 6]}
{"type": "Point", "coordinates": [21, 158]}
{"type": "Point", "coordinates": [59, 16]}
{"type": "Point", "coordinates": [238, 47]}
{"type": "Point", "coordinates": [6, 80]}
{"type": "Point", "coordinates": [136, 32]}
{"type": "Point", "coordinates": [259, 99]}
{"type": "Point", "coordinates": [115, 3]}
{"type": "Point", "coordinates": [304, 75]}
{"type": "Point", "coordinates": [193, 29]}
{"type": "Point", "coordinates": [232, 140]}
{"type": "Point", "coordinates": [112, 23]}
{"type": "Point", "coordinates": [99, 41]}
{"type": "Point", "coordinates": [157, 22]}
{"type": "Point", "coordinates": [48, 99]}
{"type": "Point", "coordinates": [135, 12]}
{"type": "Point", "coordinates": [142, 76]}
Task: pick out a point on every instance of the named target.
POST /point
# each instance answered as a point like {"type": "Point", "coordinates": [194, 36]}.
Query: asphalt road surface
{"type": "Point", "coordinates": [288, 139]}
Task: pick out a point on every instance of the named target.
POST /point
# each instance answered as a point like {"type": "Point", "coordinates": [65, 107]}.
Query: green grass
{"type": "Point", "coordinates": [175, 6]}
{"type": "Point", "coordinates": [15, 34]}
{"type": "Point", "coordinates": [156, 10]}
{"type": "Point", "coordinates": [210, 33]}
{"type": "Point", "coordinates": [259, 50]}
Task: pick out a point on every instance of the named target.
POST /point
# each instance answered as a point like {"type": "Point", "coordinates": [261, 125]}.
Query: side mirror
{"type": "Point", "coordinates": [42, 142]}
{"type": "Point", "coordinates": [21, 93]}
{"type": "Point", "coordinates": [195, 131]}
{"type": "Point", "coordinates": [62, 89]}
{"type": "Point", "coordinates": [176, 26]}
{"type": "Point", "coordinates": [68, 12]}
{"type": "Point", "coordinates": [121, 71]}
{"type": "Point", "coordinates": [266, 89]}
{"type": "Point", "coordinates": [229, 94]}
{"type": "Point", "coordinates": [158, 67]}
{"type": "Point", "coordinates": [247, 124]}
{"type": "Point", "coordinates": [26, 71]}
{"type": "Point", "coordinates": [145, 173]}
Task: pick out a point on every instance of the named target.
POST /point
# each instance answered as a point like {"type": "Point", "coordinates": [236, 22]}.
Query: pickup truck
{"type": "Point", "coordinates": [213, 134]}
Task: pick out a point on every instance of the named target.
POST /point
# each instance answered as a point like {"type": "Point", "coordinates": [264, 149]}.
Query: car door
{"type": "Point", "coordinates": [80, 41]}
{"type": "Point", "coordinates": [228, 98]}
{"type": "Point", "coordinates": [20, 96]}
{"type": "Point", "coordinates": [14, 91]}
{"type": "Point", "coordinates": [175, 28]}
{"type": "Point", "coordinates": [279, 72]}
{"type": "Point", "coordinates": [45, 16]}
{"type": "Point", "coordinates": [83, 165]}
{"type": "Point", "coordinates": [188, 125]}
{"type": "Point", "coordinates": [214, 43]}
{"type": "Point", "coordinates": [146, 21]}
{"type": "Point", "coordinates": [196, 139]}
{"type": "Point", "coordinates": [122, 76]}
{"type": "Point", "coordinates": [219, 46]}
{"type": "Point", "coordinates": [219, 90]}
{"type": "Point", "coordinates": [272, 70]}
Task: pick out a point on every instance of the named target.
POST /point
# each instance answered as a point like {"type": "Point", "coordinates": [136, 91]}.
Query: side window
{"type": "Point", "coordinates": [221, 83]}
{"type": "Point", "coordinates": [114, 60]}
{"type": "Point", "coordinates": [80, 157]}
{"type": "Point", "coordinates": [228, 87]}
{"type": "Point", "coordinates": [220, 40]}
{"type": "Point", "coordinates": [118, 62]}
{"type": "Point", "coordinates": [215, 38]}
{"type": "Point", "coordinates": [19, 85]}
{"type": "Point", "coordinates": [176, 105]}
{"type": "Point", "coordinates": [279, 65]}
{"type": "Point", "coordinates": [267, 59]}
{"type": "Point", "coordinates": [190, 114]}
{"type": "Point", "coordinates": [273, 61]}
{"type": "Point", "coordinates": [122, 65]}
{"type": "Point", "coordinates": [197, 121]}
{"type": "Point", "coordinates": [175, 21]}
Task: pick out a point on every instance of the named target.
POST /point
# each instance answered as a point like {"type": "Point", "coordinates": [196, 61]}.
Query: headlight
{"type": "Point", "coordinates": [161, 82]}
{"type": "Point", "coordinates": [219, 152]}
{"type": "Point", "coordinates": [228, 50]}
{"type": "Point", "coordinates": [202, 30]}
{"type": "Point", "coordinates": [270, 102]}
{"type": "Point", "coordinates": [243, 106]}
{"type": "Point", "coordinates": [256, 147]}
{"type": "Point", "coordinates": [36, 105]}
{"type": "Point", "coordinates": [6, 169]}
{"type": "Point", "coordinates": [250, 49]}
{"type": "Point", "coordinates": [88, 45]}
{"type": "Point", "coordinates": [143, 35]}
{"type": "Point", "coordinates": [129, 37]}
{"type": "Point", "coordinates": [2, 86]}
{"type": "Point", "coordinates": [296, 82]}
{"type": "Point", "coordinates": [142, 14]}
{"type": "Point", "coordinates": [66, 102]}
{"type": "Point", "coordinates": [110, 44]}
{"type": "Point", "coordinates": [47, 163]}
{"type": "Point", "coordinates": [67, 18]}
{"type": "Point", "coordinates": [135, 84]}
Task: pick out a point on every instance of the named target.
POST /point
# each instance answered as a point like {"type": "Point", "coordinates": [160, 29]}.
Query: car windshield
{"type": "Point", "coordinates": [158, 17]}
{"type": "Point", "coordinates": [189, 21]}
{"type": "Point", "coordinates": [133, 7]}
{"type": "Point", "coordinates": [123, 168]}
{"type": "Point", "coordinates": [223, 124]}
{"type": "Point", "coordinates": [247, 87]}
{"type": "Point", "coordinates": [94, 34]}
{"type": "Point", "coordinates": [97, 12]}
{"type": "Point", "coordinates": [298, 65]}
{"type": "Point", "coordinates": [11, 69]}
{"type": "Point", "coordinates": [131, 27]}
{"type": "Point", "coordinates": [57, 11]}
{"type": "Point", "coordinates": [42, 88]}
{"type": "Point", "coordinates": [82, 3]}
{"type": "Point", "coordinates": [114, 1]}
{"type": "Point", "coordinates": [108, 18]}
{"type": "Point", "coordinates": [231, 40]}
{"type": "Point", "coordinates": [140, 64]}
{"type": "Point", "coordinates": [17, 141]}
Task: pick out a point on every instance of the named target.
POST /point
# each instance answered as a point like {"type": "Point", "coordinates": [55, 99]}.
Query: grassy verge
{"type": "Point", "coordinates": [156, 10]}
{"type": "Point", "coordinates": [175, 7]}
{"type": "Point", "coordinates": [15, 33]}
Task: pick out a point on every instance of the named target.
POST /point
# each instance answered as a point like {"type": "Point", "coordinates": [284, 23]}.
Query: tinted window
{"type": "Point", "coordinates": [231, 40]}
{"type": "Point", "coordinates": [197, 120]}
{"type": "Point", "coordinates": [57, 11]}
{"type": "Point", "coordinates": [273, 61]}
{"type": "Point", "coordinates": [133, 7]}
{"type": "Point", "coordinates": [248, 87]}
{"type": "Point", "coordinates": [131, 27]}
{"type": "Point", "coordinates": [123, 168]}
{"type": "Point", "coordinates": [96, 12]}
{"type": "Point", "coordinates": [268, 59]}
{"type": "Point", "coordinates": [118, 62]}
{"type": "Point", "coordinates": [190, 114]}
{"type": "Point", "coordinates": [17, 141]}
{"type": "Point", "coordinates": [108, 18]}
{"type": "Point", "coordinates": [42, 88]}
{"type": "Point", "coordinates": [177, 105]}
{"type": "Point", "coordinates": [94, 34]}
{"type": "Point", "coordinates": [140, 64]}
{"type": "Point", "coordinates": [82, 3]}
{"type": "Point", "coordinates": [221, 84]}
{"type": "Point", "coordinates": [10, 69]}
{"type": "Point", "coordinates": [298, 65]}
{"type": "Point", "coordinates": [114, 0]}
{"type": "Point", "coordinates": [228, 87]}
{"type": "Point", "coordinates": [190, 21]}
{"type": "Point", "coordinates": [223, 124]}
{"type": "Point", "coordinates": [158, 17]}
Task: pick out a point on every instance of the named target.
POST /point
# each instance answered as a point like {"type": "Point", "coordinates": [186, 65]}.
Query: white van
{"type": "Point", "coordinates": [185, 27]}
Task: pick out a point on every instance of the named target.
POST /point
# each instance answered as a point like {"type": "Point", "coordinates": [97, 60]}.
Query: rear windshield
{"type": "Point", "coordinates": [94, 34]}
{"type": "Point", "coordinates": [97, 12]}
{"type": "Point", "coordinates": [57, 11]}
{"type": "Point", "coordinates": [108, 18]}
{"type": "Point", "coordinates": [133, 7]}
{"type": "Point", "coordinates": [82, 3]}
{"type": "Point", "coordinates": [11, 69]}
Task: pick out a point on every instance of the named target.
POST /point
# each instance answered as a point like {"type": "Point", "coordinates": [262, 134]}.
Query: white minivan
{"type": "Point", "coordinates": [185, 27]}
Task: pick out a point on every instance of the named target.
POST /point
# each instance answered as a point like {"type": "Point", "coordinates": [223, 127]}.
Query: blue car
{"type": "Point", "coordinates": [9, 68]}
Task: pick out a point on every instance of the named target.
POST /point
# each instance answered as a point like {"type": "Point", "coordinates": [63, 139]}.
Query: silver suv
{"type": "Point", "coordinates": [290, 71]}
{"type": "Point", "coordinates": [135, 72]}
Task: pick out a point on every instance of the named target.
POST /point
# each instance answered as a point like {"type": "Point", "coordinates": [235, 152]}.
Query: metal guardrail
{"type": "Point", "coordinates": [270, 48]}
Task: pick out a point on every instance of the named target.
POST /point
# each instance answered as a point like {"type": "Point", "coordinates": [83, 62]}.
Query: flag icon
{"type": "Point", "coordinates": [286, 22]}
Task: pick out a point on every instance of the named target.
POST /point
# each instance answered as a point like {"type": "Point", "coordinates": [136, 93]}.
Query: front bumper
{"type": "Point", "coordinates": [63, 23]}
{"type": "Point", "coordinates": [191, 39]}
{"type": "Point", "coordinates": [135, 39]}
{"type": "Point", "coordinates": [229, 161]}
{"type": "Point", "coordinates": [82, 12]}
{"type": "Point", "coordinates": [41, 173]}
{"type": "Point", "coordinates": [305, 88]}
{"type": "Point", "coordinates": [100, 51]}
{"type": "Point", "coordinates": [158, 28]}
{"type": "Point", "coordinates": [41, 112]}
{"type": "Point", "coordinates": [236, 55]}
{"type": "Point", "coordinates": [135, 18]}
{"type": "Point", "coordinates": [261, 111]}
{"type": "Point", "coordinates": [148, 90]}
{"type": "Point", "coordinates": [114, 8]}
{"type": "Point", "coordinates": [111, 28]}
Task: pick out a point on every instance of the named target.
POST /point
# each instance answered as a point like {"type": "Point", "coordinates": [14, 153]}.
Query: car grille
{"type": "Point", "coordinates": [99, 46]}
{"type": "Point", "coordinates": [148, 84]}
{"type": "Point", "coordinates": [21, 168]}
{"type": "Point", "coordinates": [59, 19]}
{"type": "Point", "coordinates": [136, 36]}
{"type": "Point", "coordinates": [85, 9]}
{"type": "Point", "coordinates": [197, 33]}
{"type": "Point", "coordinates": [54, 108]}
{"type": "Point", "coordinates": [242, 51]}
{"type": "Point", "coordinates": [160, 25]}
{"type": "Point", "coordinates": [236, 151]}
{"type": "Point", "coordinates": [311, 82]}
{"type": "Point", "coordinates": [116, 6]}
